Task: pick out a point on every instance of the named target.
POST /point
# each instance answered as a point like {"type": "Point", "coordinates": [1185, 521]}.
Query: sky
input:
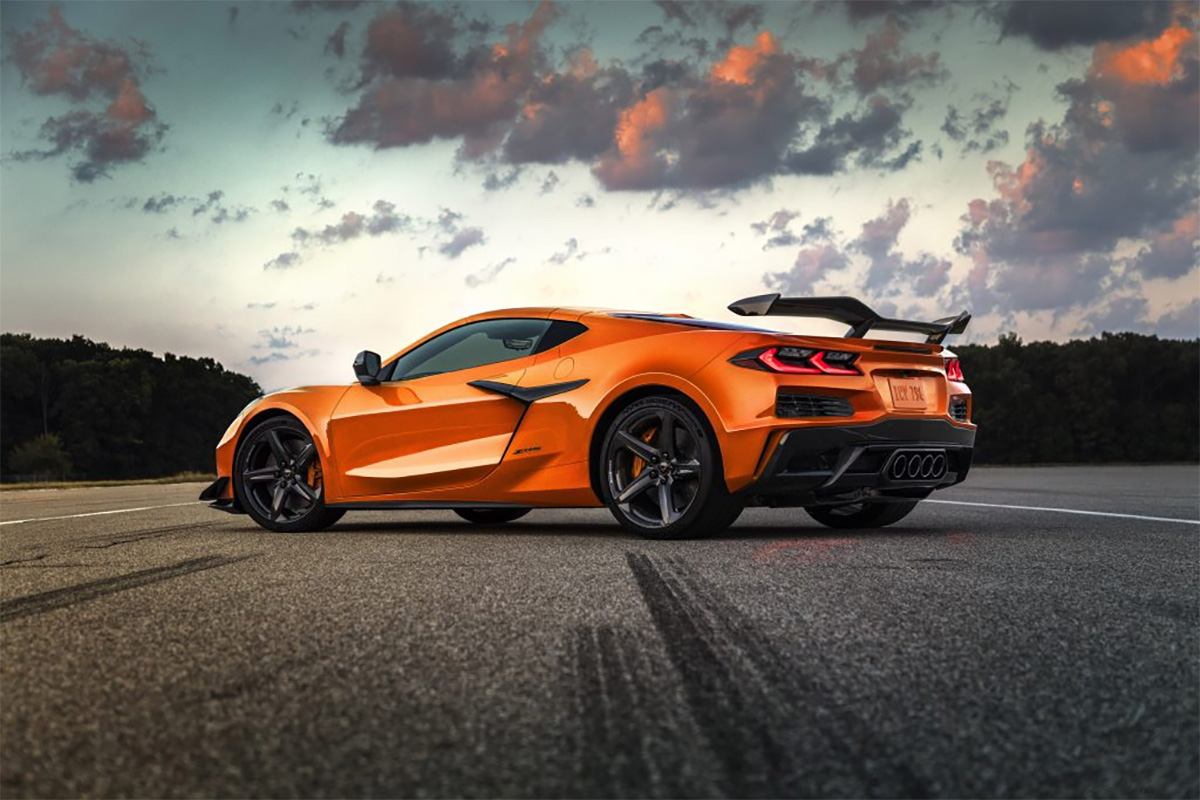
{"type": "Point", "coordinates": [280, 185]}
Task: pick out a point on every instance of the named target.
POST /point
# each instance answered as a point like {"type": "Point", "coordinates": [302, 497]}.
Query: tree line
{"type": "Point", "coordinates": [74, 408]}
{"type": "Point", "coordinates": [82, 409]}
{"type": "Point", "coordinates": [1122, 397]}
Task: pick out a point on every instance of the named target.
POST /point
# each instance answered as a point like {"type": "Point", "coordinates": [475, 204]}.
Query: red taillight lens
{"type": "Point", "coordinates": [954, 369]}
{"type": "Point", "coordinates": [798, 361]}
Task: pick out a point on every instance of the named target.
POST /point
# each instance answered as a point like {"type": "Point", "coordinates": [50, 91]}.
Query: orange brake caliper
{"type": "Point", "coordinates": [638, 463]}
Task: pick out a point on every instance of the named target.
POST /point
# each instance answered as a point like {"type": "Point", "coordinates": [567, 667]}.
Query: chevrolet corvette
{"type": "Point", "coordinates": [676, 424]}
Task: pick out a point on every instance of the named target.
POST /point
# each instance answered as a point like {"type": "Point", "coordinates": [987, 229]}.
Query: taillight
{"type": "Point", "coordinates": [799, 361]}
{"type": "Point", "coordinates": [954, 370]}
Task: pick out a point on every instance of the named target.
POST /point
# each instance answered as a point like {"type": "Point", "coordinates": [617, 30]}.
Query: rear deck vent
{"type": "Point", "coordinates": [788, 404]}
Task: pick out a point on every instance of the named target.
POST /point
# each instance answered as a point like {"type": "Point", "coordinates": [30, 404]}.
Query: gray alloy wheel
{"type": "Point", "coordinates": [661, 472]}
{"type": "Point", "coordinates": [861, 515]}
{"type": "Point", "coordinates": [278, 478]}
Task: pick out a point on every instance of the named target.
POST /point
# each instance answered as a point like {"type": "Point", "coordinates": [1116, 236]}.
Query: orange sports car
{"type": "Point", "coordinates": [675, 423]}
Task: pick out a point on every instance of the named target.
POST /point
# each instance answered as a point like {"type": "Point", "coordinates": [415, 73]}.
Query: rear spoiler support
{"type": "Point", "coordinates": [849, 311]}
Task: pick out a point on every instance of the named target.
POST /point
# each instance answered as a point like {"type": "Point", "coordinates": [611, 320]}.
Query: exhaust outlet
{"type": "Point", "coordinates": [917, 465]}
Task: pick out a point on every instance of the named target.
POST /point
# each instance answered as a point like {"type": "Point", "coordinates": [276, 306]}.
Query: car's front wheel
{"type": "Point", "coordinates": [661, 475]}
{"type": "Point", "coordinates": [861, 515]}
{"type": "Point", "coordinates": [278, 478]}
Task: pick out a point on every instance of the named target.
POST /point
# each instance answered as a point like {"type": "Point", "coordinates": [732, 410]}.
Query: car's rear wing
{"type": "Point", "coordinates": [847, 310]}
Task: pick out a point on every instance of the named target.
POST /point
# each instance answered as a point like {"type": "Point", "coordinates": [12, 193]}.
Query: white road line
{"type": "Point", "coordinates": [98, 513]}
{"type": "Point", "coordinates": [1066, 511]}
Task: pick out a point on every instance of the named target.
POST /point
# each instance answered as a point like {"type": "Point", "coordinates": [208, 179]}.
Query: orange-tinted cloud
{"type": "Point", "coordinates": [740, 64]}
{"type": "Point", "coordinates": [637, 162]}
{"type": "Point", "coordinates": [417, 90]}
{"type": "Point", "coordinates": [1157, 60]}
{"type": "Point", "coordinates": [55, 58]}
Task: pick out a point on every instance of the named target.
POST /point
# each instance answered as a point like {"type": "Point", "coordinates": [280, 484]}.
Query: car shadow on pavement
{"type": "Point", "coordinates": [599, 529]}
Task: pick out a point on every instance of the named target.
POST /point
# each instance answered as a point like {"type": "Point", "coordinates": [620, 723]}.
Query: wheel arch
{"type": "Point", "coordinates": [622, 399]}
{"type": "Point", "coordinates": [318, 437]}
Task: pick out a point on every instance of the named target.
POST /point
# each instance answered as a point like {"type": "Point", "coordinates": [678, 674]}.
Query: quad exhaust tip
{"type": "Point", "coordinates": [917, 465]}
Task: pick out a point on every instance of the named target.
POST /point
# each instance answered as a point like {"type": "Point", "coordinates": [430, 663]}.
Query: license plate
{"type": "Point", "coordinates": [908, 394]}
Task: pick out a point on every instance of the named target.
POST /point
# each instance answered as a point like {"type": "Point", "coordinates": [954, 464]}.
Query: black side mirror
{"type": "Point", "coordinates": [366, 367]}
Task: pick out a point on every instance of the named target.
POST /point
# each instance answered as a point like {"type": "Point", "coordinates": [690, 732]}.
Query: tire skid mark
{"type": "Point", "coordinates": [71, 595]}
{"type": "Point", "coordinates": [104, 542]}
{"type": "Point", "coordinates": [107, 541]}
{"type": "Point", "coordinates": [628, 743]}
{"type": "Point", "coordinates": [766, 722]}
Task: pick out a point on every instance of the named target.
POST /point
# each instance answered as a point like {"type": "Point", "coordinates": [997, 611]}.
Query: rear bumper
{"type": "Point", "coordinates": [827, 464]}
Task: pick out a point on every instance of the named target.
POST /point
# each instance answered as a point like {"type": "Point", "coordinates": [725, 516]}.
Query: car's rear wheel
{"type": "Point", "coordinates": [491, 516]}
{"type": "Point", "coordinates": [279, 480]}
{"type": "Point", "coordinates": [861, 515]}
{"type": "Point", "coordinates": [660, 472]}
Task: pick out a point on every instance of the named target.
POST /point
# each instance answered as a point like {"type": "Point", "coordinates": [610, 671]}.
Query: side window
{"type": "Point", "coordinates": [472, 345]}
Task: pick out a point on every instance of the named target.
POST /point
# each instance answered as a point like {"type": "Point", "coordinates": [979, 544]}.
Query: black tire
{"type": "Point", "coordinates": [665, 485]}
{"type": "Point", "coordinates": [861, 515]}
{"type": "Point", "coordinates": [278, 478]}
{"type": "Point", "coordinates": [491, 516]}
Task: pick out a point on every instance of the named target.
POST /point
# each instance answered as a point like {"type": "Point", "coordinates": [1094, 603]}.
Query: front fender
{"type": "Point", "coordinates": [312, 406]}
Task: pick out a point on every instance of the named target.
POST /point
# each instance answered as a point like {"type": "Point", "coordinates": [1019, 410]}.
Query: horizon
{"type": "Point", "coordinates": [389, 168]}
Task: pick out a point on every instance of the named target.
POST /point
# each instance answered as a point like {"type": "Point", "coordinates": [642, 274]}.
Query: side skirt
{"type": "Point", "coordinates": [417, 505]}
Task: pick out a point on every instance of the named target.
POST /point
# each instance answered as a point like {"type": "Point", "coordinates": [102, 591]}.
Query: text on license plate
{"type": "Point", "coordinates": [907, 393]}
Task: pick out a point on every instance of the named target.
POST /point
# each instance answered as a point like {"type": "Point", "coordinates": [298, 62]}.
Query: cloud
{"type": "Point", "coordinates": [1056, 25]}
{"type": "Point", "coordinates": [414, 88]}
{"type": "Point", "coordinates": [260, 305]}
{"type": "Point", "coordinates": [977, 129]}
{"type": "Point", "coordinates": [570, 115]}
{"type": "Point", "coordinates": [549, 182]}
{"type": "Point", "coordinates": [488, 274]}
{"type": "Point", "coordinates": [727, 129]}
{"type": "Point", "coordinates": [495, 181]}
{"type": "Point", "coordinates": [280, 205]}
{"type": "Point", "coordinates": [881, 64]}
{"type": "Point", "coordinates": [1180, 323]}
{"type": "Point", "coordinates": [902, 11]}
{"type": "Point", "coordinates": [336, 43]}
{"type": "Point", "coordinates": [461, 241]}
{"type": "Point", "coordinates": [811, 265]}
{"type": "Point", "coordinates": [778, 225]}
{"type": "Point", "coordinates": [730, 16]}
{"type": "Point", "coordinates": [1172, 253]}
{"type": "Point", "coordinates": [232, 14]}
{"type": "Point", "coordinates": [113, 123]}
{"type": "Point", "coordinates": [283, 261]}
{"type": "Point", "coordinates": [282, 338]}
{"type": "Point", "coordinates": [1119, 167]}
{"type": "Point", "coordinates": [220, 211]}
{"type": "Point", "coordinates": [382, 219]}
{"type": "Point", "coordinates": [570, 250]}
{"type": "Point", "coordinates": [161, 203]}
{"type": "Point", "coordinates": [868, 139]}
{"type": "Point", "coordinates": [889, 272]}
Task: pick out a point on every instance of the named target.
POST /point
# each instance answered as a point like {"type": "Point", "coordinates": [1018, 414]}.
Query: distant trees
{"type": "Point", "coordinates": [1121, 397]}
{"type": "Point", "coordinates": [81, 407]}
{"type": "Point", "coordinates": [42, 455]}
{"type": "Point", "coordinates": [85, 408]}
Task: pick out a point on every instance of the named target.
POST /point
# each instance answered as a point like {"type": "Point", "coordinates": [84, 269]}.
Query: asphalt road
{"type": "Point", "coordinates": [970, 650]}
